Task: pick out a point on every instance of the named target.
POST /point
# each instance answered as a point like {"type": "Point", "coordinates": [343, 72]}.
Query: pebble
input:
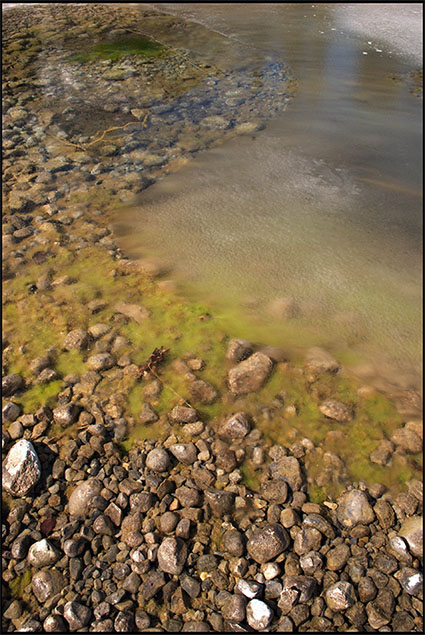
{"type": "Point", "coordinates": [21, 469]}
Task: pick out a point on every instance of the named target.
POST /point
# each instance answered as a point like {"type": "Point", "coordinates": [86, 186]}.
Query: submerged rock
{"type": "Point", "coordinates": [354, 509]}
{"type": "Point", "coordinates": [250, 375]}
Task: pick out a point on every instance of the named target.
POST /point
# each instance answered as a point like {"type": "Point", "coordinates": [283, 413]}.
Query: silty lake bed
{"type": "Point", "coordinates": [312, 229]}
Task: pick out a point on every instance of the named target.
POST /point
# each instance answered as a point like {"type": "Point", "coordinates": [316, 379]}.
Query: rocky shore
{"type": "Point", "coordinates": [164, 500]}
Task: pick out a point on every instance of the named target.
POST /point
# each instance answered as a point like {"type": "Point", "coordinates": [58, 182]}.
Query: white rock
{"type": "Point", "coordinates": [42, 554]}
{"type": "Point", "coordinates": [258, 614]}
{"type": "Point", "coordinates": [21, 469]}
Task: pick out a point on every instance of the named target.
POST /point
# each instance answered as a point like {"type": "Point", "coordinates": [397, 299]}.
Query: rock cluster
{"type": "Point", "coordinates": [165, 540]}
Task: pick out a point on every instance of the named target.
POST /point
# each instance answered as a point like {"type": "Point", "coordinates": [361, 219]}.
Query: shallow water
{"type": "Point", "coordinates": [317, 218]}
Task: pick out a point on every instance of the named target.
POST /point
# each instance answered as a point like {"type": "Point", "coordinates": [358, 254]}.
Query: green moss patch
{"type": "Point", "coordinates": [117, 49]}
{"type": "Point", "coordinates": [19, 584]}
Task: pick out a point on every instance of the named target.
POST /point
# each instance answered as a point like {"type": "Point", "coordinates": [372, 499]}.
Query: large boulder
{"type": "Point", "coordinates": [21, 468]}
{"type": "Point", "coordinates": [250, 375]}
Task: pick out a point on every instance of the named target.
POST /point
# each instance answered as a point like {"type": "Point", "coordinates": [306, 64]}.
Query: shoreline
{"type": "Point", "coordinates": [159, 483]}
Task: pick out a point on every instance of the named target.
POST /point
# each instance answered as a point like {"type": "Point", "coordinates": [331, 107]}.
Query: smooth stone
{"type": "Point", "coordinates": [77, 615]}
{"type": "Point", "coordinates": [238, 350]}
{"type": "Point", "coordinates": [158, 460]}
{"type": "Point", "coordinates": [258, 614]}
{"type": "Point", "coordinates": [354, 509]}
{"type": "Point", "coordinates": [102, 361]}
{"type": "Point", "coordinates": [182, 414]}
{"type": "Point", "coordinates": [82, 496]}
{"type": "Point", "coordinates": [412, 531]}
{"type": "Point", "coordinates": [334, 409]}
{"type": "Point", "coordinates": [42, 554]}
{"type": "Point", "coordinates": [11, 384]}
{"type": "Point", "coordinates": [184, 452]}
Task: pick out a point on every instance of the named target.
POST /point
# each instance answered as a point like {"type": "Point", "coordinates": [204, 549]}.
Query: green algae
{"type": "Point", "coordinates": [19, 584]}
{"type": "Point", "coordinates": [117, 49]}
{"type": "Point", "coordinates": [36, 396]}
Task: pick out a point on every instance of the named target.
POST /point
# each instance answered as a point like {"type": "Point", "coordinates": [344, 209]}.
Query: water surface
{"type": "Point", "coordinates": [311, 227]}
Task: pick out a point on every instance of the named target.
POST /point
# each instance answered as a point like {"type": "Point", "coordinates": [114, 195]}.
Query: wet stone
{"type": "Point", "coordinates": [236, 427]}
{"type": "Point", "coordinates": [147, 415]}
{"type": "Point", "coordinates": [220, 501]}
{"type": "Point", "coordinates": [250, 374]}
{"type": "Point", "coordinates": [184, 452]}
{"type": "Point", "coordinates": [10, 412]}
{"type": "Point", "coordinates": [334, 409]}
{"type": "Point", "coordinates": [78, 339]}
{"type": "Point", "coordinates": [66, 415]}
{"type": "Point", "coordinates": [82, 496]}
{"type": "Point", "coordinates": [337, 557]}
{"type": "Point", "coordinates": [354, 509]}
{"type": "Point", "coordinates": [102, 361]}
{"type": "Point", "coordinates": [274, 490]}
{"type": "Point", "coordinates": [10, 384]}
{"type": "Point", "coordinates": [380, 610]}
{"type": "Point", "coordinates": [238, 350]}
{"type": "Point", "coordinates": [233, 542]}
{"type": "Point", "coordinates": [411, 580]}
{"type": "Point", "coordinates": [234, 608]}
{"type": "Point", "coordinates": [182, 414]}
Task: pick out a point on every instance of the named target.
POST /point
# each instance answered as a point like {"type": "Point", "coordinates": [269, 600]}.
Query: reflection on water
{"type": "Point", "coordinates": [320, 211]}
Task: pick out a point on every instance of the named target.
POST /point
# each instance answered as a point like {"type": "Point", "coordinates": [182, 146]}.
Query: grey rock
{"type": "Point", "coordinates": [21, 469]}
{"type": "Point", "coordinates": [158, 460]}
{"type": "Point", "coordinates": [184, 452]}
{"type": "Point", "coordinates": [82, 496]}
{"type": "Point", "coordinates": [172, 554]}
{"type": "Point", "coordinates": [412, 531]}
{"type": "Point", "coordinates": [77, 615]}
{"type": "Point", "coordinates": [340, 596]}
{"type": "Point", "coordinates": [78, 339]}
{"type": "Point", "coordinates": [42, 554]}
{"type": "Point", "coordinates": [250, 375]}
{"type": "Point", "coordinates": [47, 583]}
{"type": "Point", "coordinates": [66, 415]}
{"type": "Point", "coordinates": [354, 509]}
{"type": "Point", "coordinates": [10, 412]}
{"type": "Point", "coordinates": [234, 543]}
{"type": "Point", "coordinates": [147, 415]}
{"type": "Point", "coordinates": [267, 543]}
{"type": "Point", "coordinates": [220, 501]}
{"type": "Point", "coordinates": [334, 409]}
{"type": "Point", "coordinates": [102, 361]}
{"type": "Point", "coordinates": [238, 350]}
{"type": "Point", "coordinates": [182, 414]}
{"type": "Point", "coordinates": [383, 453]}
{"type": "Point", "coordinates": [134, 311]}
{"type": "Point", "coordinates": [234, 608]}
{"type": "Point", "coordinates": [188, 496]}
{"type": "Point", "coordinates": [11, 384]}
{"type": "Point", "coordinates": [203, 392]}
{"type": "Point", "coordinates": [258, 614]}
{"type": "Point", "coordinates": [411, 580]}
{"type": "Point", "coordinates": [16, 430]}
{"type": "Point", "coordinates": [288, 468]}
{"type": "Point", "coordinates": [236, 427]}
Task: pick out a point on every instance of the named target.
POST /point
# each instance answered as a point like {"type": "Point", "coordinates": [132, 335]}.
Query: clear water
{"type": "Point", "coordinates": [321, 209]}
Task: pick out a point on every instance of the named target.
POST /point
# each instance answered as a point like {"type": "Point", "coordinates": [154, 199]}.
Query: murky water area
{"type": "Point", "coordinates": [310, 229]}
